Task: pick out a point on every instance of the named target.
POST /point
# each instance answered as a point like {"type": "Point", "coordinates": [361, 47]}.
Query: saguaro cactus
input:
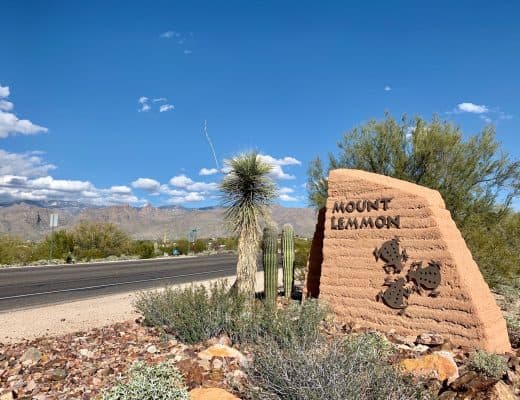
{"type": "Point", "coordinates": [270, 264]}
{"type": "Point", "coordinates": [288, 259]}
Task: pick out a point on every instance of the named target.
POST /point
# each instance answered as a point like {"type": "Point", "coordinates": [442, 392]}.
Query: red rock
{"type": "Point", "coordinates": [211, 394]}
{"type": "Point", "coordinates": [439, 365]}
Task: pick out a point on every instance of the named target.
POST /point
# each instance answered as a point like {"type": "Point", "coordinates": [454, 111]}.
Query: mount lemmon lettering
{"type": "Point", "coordinates": [367, 222]}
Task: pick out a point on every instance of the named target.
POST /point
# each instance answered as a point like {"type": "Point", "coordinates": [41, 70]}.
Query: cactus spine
{"type": "Point", "coordinates": [270, 264]}
{"type": "Point", "coordinates": [288, 259]}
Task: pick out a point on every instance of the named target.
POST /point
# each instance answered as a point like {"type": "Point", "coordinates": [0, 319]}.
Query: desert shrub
{"type": "Point", "coordinates": [302, 248]}
{"type": "Point", "coordinates": [161, 382]}
{"type": "Point", "coordinates": [15, 251]}
{"type": "Point", "coordinates": [99, 240]}
{"type": "Point", "coordinates": [183, 245]}
{"type": "Point", "coordinates": [352, 368]}
{"type": "Point", "coordinates": [196, 313]}
{"type": "Point", "coordinates": [230, 243]}
{"type": "Point", "coordinates": [199, 246]}
{"type": "Point", "coordinates": [491, 365]}
{"type": "Point", "coordinates": [143, 248]}
{"type": "Point", "coordinates": [297, 323]}
{"type": "Point", "coordinates": [193, 313]}
{"type": "Point", "coordinates": [62, 245]}
{"type": "Point", "coordinates": [494, 241]}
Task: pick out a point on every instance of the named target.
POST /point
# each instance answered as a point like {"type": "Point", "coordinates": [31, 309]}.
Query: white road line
{"type": "Point", "coordinates": [110, 284]}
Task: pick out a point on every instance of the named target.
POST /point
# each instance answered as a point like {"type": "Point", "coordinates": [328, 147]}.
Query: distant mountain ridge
{"type": "Point", "coordinates": [30, 220]}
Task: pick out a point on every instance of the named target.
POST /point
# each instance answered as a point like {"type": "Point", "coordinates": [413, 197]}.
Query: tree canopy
{"type": "Point", "coordinates": [473, 174]}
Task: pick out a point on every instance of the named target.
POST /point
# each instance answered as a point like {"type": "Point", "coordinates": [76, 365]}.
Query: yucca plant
{"type": "Point", "coordinates": [247, 192]}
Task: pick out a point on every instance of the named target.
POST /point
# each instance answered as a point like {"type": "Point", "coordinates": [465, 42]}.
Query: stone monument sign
{"type": "Point", "coordinates": [393, 259]}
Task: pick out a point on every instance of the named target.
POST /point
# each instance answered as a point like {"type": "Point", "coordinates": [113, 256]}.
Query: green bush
{"type": "Point", "coordinates": [183, 245]}
{"type": "Point", "coordinates": [160, 382]}
{"type": "Point", "coordinates": [353, 368]}
{"type": "Point", "coordinates": [16, 251]}
{"type": "Point", "coordinates": [193, 313]}
{"type": "Point", "coordinates": [302, 247]}
{"type": "Point", "coordinates": [143, 248]}
{"type": "Point", "coordinates": [199, 246]}
{"type": "Point", "coordinates": [491, 365]}
{"type": "Point", "coordinates": [99, 240]}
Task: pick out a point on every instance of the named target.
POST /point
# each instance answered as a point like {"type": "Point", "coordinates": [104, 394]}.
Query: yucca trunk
{"type": "Point", "coordinates": [245, 283]}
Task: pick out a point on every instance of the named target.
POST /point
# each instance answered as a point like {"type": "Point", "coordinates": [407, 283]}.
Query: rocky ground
{"type": "Point", "coordinates": [83, 364]}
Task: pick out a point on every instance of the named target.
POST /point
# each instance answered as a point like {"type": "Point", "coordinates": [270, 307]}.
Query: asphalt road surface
{"type": "Point", "coordinates": [34, 286]}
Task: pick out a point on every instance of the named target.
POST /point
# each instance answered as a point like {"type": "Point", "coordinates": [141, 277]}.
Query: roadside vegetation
{"type": "Point", "coordinates": [292, 356]}
{"type": "Point", "coordinates": [97, 241]}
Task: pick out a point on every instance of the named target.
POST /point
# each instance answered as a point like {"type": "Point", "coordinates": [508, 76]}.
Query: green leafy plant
{"type": "Point", "coordinates": [159, 382]}
{"type": "Point", "coordinates": [491, 365]}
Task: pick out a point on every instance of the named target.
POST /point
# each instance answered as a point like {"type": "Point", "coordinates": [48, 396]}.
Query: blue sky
{"type": "Point", "coordinates": [82, 86]}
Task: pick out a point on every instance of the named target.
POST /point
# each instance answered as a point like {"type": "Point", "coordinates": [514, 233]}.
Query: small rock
{"type": "Point", "coordinates": [225, 340]}
{"type": "Point", "coordinates": [86, 353]}
{"type": "Point", "coordinates": [449, 395]}
{"type": "Point", "coordinates": [152, 349]}
{"type": "Point", "coordinates": [32, 354]}
{"type": "Point", "coordinates": [439, 365]}
{"type": "Point", "coordinates": [7, 396]}
{"type": "Point", "coordinates": [211, 394]}
{"type": "Point", "coordinates": [221, 350]}
{"type": "Point", "coordinates": [217, 363]}
{"type": "Point", "coordinates": [500, 391]}
{"type": "Point", "coordinates": [430, 339]}
{"type": "Point", "coordinates": [420, 348]}
{"type": "Point", "coordinates": [58, 374]}
{"type": "Point", "coordinates": [31, 385]}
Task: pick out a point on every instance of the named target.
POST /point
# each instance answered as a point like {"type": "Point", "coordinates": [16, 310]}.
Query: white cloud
{"type": "Point", "coordinates": [286, 197]}
{"type": "Point", "coordinates": [472, 108]}
{"type": "Point", "coordinates": [6, 105]}
{"type": "Point", "coordinates": [190, 197]}
{"type": "Point", "coordinates": [208, 171]}
{"type": "Point", "coordinates": [166, 107]}
{"type": "Point", "coordinates": [150, 185]}
{"type": "Point", "coordinates": [10, 124]}
{"type": "Point", "coordinates": [186, 51]}
{"type": "Point", "coordinates": [181, 181]}
{"type": "Point", "coordinates": [160, 99]}
{"type": "Point", "coordinates": [285, 190]}
{"type": "Point", "coordinates": [120, 190]}
{"type": "Point", "coordinates": [145, 107]}
{"type": "Point", "coordinates": [142, 99]}
{"type": "Point", "coordinates": [387, 88]}
{"type": "Point", "coordinates": [167, 34]}
{"type": "Point", "coordinates": [4, 91]}
{"type": "Point", "coordinates": [24, 164]}
{"type": "Point", "coordinates": [277, 171]}
{"type": "Point", "coordinates": [61, 185]}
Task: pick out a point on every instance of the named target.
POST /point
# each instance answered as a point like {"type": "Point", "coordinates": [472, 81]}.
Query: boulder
{"type": "Point", "coordinates": [394, 260]}
{"type": "Point", "coordinates": [439, 365]}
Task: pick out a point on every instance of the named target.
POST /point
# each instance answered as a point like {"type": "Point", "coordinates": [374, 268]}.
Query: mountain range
{"type": "Point", "coordinates": [30, 220]}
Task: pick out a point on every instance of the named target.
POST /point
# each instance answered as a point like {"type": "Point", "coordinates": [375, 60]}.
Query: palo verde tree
{"type": "Point", "coordinates": [475, 177]}
{"type": "Point", "coordinates": [247, 192]}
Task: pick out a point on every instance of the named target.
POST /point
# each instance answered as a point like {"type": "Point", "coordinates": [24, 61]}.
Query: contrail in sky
{"type": "Point", "coordinates": [210, 143]}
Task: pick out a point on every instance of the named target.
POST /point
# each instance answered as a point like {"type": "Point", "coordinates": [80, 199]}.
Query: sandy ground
{"type": "Point", "coordinates": [80, 315]}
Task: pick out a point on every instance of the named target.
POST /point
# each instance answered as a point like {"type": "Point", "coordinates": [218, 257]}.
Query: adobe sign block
{"type": "Point", "coordinates": [393, 259]}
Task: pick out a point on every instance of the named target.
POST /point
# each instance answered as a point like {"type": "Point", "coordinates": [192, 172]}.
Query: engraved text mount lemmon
{"type": "Point", "coordinates": [363, 222]}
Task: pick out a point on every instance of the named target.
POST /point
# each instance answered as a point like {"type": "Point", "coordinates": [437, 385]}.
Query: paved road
{"type": "Point", "coordinates": [28, 287]}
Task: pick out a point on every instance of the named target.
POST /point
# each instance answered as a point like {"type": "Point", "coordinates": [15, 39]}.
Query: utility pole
{"type": "Point", "coordinates": [53, 223]}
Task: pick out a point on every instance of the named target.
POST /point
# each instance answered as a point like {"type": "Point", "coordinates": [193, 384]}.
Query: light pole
{"type": "Point", "coordinates": [53, 223]}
